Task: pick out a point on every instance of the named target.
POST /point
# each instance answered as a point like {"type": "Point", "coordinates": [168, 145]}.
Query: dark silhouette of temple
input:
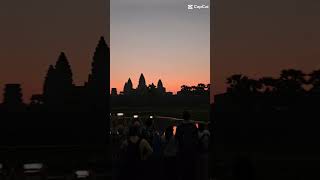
{"type": "Point", "coordinates": [152, 95]}
{"type": "Point", "coordinates": [60, 94]}
{"type": "Point", "coordinates": [12, 99]}
{"type": "Point", "coordinates": [159, 90]}
{"type": "Point", "coordinates": [64, 113]}
{"type": "Point", "coordinates": [143, 89]}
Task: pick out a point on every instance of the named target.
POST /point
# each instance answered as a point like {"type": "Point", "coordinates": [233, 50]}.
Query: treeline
{"type": "Point", "coordinates": [290, 81]}
{"type": "Point", "coordinates": [188, 96]}
{"type": "Point", "coordinates": [292, 90]}
{"type": "Point", "coordinates": [200, 89]}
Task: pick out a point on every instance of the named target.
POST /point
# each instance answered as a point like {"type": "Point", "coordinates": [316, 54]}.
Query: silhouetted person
{"type": "Point", "coordinates": [170, 148]}
{"type": "Point", "coordinates": [203, 149]}
{"type": "Point", "coordinates": [148, 131]}
{"type": "Point", "coordinates": [204, 138]}
{"type": "Point", "coordinates": [187, 137]}
{"type": "Point", "coordinates": [136, 151]}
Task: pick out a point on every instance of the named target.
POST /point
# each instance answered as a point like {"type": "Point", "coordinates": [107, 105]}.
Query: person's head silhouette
{"type": "Point", "coordinates": [149, 122]}
{"type": "Point", "coordinates": [134, 130]}
{"type": "Point", "coordinates": [186, 115]}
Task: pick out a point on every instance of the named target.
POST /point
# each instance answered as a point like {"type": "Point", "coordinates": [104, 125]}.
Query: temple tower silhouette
{"type": "Point", "coordinates": [49, 92]}
{"type": "Point", "coordinates": [63, 72]}
{"type": "Point", "coordinates": [128, 88]}
{"type": "Point", "coordinates": [58, 83]}
{"type": "Point", "coordinates": [142, 86]}
{"type": "Point", "coordinates": [99, 79]}
{"type": "Point", "coordinates": [161, 89]}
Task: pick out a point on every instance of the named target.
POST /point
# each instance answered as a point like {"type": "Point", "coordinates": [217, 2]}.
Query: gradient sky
{"type": "Point", "coordinates": [262, 37]}
{"type": "Point", "coordinates": [34, 32]}
{"type": "Point", "coordinates": [161, 39]}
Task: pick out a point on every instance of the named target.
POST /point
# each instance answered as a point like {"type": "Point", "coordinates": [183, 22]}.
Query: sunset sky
{"type": "Point", "coordinates": [34, 32]}
{"type": "Point", "coordinates": [262, 37]}
{"type": "Point", "coordinates": [161, 39]}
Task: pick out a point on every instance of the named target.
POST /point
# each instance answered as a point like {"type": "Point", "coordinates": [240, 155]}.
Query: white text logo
{"type": "Point", "coordinates": [191, 7]}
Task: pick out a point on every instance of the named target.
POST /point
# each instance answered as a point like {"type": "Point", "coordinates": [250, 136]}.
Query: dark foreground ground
{"type": "Point", "coordinates": [268, 146]}
{"type": "Point", "coordinates": [62, 142]}
{"type": "Point", "coordinates": [60, 162]}
{"type": "Point", "coordinates": [273, 146]}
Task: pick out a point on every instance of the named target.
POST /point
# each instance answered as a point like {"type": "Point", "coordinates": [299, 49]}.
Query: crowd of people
{"type": "Point", "coordinates": [179, 153]}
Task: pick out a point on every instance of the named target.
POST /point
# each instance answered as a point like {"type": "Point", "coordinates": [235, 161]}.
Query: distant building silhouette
{"type": "Point", "coordinates": [92, 96]}
{"type": "Point", "coordinates": [142, 86]}
{"type": "Point", "coordinates": [161, 90]}
{"type": "Point", "coordinates": [114, 92]}
{"type": "Point", "coordinates": [12, 94]}
{"type": "Point", "coordinates": [59, 92]}
{"type": "Point", "coordinates": [58, 83]}
{"type": "Point", "coordinates": [128, 88]}
{"type": "Point", "coordinates": [12, 98]}
{"type": "Point", "coordinates": [49, 85]}
{"type": "Point", "coordinates": [99, 80]}
{"type": "Point", "coordinates": [63, 113]}
{"type": "Point", "coordinates": [152, 95]}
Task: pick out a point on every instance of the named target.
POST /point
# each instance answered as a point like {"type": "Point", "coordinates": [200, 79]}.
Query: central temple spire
{"type": "Point", "coordinates": [142, 87]}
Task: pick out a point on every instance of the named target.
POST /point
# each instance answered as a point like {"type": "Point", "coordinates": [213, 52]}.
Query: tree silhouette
{"type": "Point", "coordinates": [152, 89]}
{"type": "Point", "coordinates": [268, 84]}
{"type": "Point", "coordinates": [200, 89]}
{"type": "Point", "coordinates": [291, 82]}
{"type": "Point", "coordinates": [240, 84]}
{"type": "Point", "coordinates": [208, 87]}
{"type": "Point", "coordinates": [314, 80]}
{"type": "Point", "coordinates": [235, 82]}
{"type": "Point", "coordinates": [186, 90]}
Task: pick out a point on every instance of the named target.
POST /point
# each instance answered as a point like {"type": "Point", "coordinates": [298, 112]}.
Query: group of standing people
{"type": "Point", "coordinates": [180, 155]}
